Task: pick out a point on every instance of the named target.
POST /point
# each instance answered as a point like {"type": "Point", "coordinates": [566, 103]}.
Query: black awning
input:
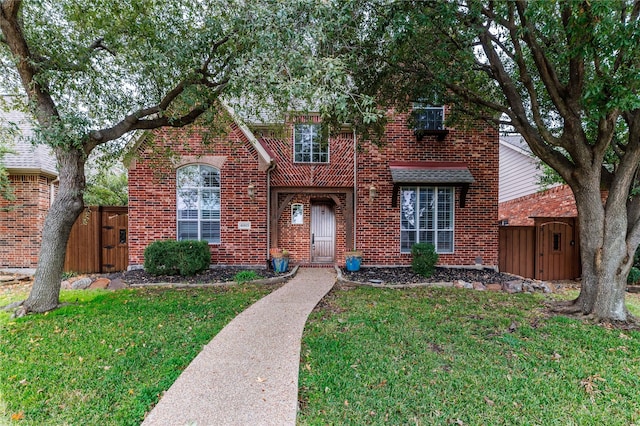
{"type": "Point", "coordinates": [430, 173]}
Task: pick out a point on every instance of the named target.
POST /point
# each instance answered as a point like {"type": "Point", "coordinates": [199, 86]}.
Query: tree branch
{"type": "Point", "coordinates": [545, 68]}
{"type": "Point", "coordinates": [99, 45]}
{"type": "Point", "coordinates": [11, 29]}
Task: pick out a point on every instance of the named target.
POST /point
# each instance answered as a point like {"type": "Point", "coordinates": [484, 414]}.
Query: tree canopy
{"type": "Point", "coordinates": [563, 74]}
{"type": "Point", "coordinates": [93, 72]}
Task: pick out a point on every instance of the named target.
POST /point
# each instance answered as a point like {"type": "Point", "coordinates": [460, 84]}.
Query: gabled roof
{"type": "Point", "coordinates": [263, 151]}
{"type": "Point", "coordinates": [265, 156]}
{"type": "Point", "coordinates": [26, 158]}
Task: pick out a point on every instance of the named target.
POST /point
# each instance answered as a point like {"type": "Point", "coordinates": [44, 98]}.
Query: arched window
{"type": "Point", "coordinates": [198, 203]}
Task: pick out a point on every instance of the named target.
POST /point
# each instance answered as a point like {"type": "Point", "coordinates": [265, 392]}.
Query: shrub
{"type": "Point", "coordinates": [634, 275]}
{"type": "Point", "coordinates": [245, 276]}
{"type": "Point", "coordinates": [170, 257]}
{"type": "Point", "coordinates": [424, 259]}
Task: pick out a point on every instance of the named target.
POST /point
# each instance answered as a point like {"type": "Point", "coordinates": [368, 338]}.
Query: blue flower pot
{"type": "Point", "coordinates": [353, 263]}
{"type": "Point", "coordinates": [280, 264]}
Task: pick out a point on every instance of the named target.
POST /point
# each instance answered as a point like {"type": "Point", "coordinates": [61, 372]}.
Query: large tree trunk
{"type": "Point", "coordinates": [605, 255]}
{"type": "Point", "coordinates": [63, 213]}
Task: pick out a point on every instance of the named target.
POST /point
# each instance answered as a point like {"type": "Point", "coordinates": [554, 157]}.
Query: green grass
{"type": "Point", "coordinates": [446, 356]}
{"type": "Point", "coordinates": [107, 356]}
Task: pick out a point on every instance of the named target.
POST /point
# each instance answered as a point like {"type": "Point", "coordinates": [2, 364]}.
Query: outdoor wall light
{"type": "Point", "coordinates": [372, 192]}
{"type": "Point", "coordinates": [251, 191]}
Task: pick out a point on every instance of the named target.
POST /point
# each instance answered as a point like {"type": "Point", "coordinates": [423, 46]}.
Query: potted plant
{"type": "Point", "coordinates": [353, 259]}
{"type": "Point", "coordinates": [279, 259]}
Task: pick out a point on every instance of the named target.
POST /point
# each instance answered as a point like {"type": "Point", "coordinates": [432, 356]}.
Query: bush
{"type": "Point", "coordinates": [634, 275]}
{"type": "Point", "coordinates": [170, 257]}
{"type": "Point", "coordinates": [424, 259]}
{"type": "Point", "coordinates": [245, 276]}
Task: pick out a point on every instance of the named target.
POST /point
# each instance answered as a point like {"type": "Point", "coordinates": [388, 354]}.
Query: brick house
{"type": "Point", "coordinates": [319, 194]}
{"type": "Point", "coordinates": [33, 177]}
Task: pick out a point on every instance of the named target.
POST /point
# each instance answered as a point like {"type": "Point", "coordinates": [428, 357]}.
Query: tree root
{"type": "Point", "coordinates": [20, 312]}
{"type": "Point", "coordinates": [573, 309]}
{"type": "Point", "coordinates": [12, 306]}
{"type": "Point", "coordinates": [566, 307]}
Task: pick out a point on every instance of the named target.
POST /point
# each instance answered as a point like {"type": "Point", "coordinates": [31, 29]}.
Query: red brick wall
{"type": "Point", "coordinates": [337, 173]}
{"type": "Point", "coordinates": [476, 230]}
{"type": "Point", "coordinates": [554, 202]}
{"type": "Point", "coordinates": [152, 194]}
{"type": "Point", "coordinates": [152, 208]}
{"type": "Point", "coordinates": [22, 220]}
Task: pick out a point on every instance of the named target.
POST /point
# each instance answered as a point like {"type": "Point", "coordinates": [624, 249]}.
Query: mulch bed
{"type": "Point", "coordinates": [397, 275]}
{"type": "Point", "coordinates": [405, 275]}
{"type": "Point", "coordinates": [214, 275]}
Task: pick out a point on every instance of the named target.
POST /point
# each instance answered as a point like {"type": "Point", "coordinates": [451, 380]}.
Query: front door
{"type": "Point", "coordinates": [323, 233]}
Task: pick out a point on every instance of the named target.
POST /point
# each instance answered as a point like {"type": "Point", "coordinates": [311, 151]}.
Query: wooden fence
{"type": "Point", "coordinates": [517, 250]}
{"type": "Point", "coordinates": [98, 241]}
{"type": "Point", "coordinates": [546, 251]}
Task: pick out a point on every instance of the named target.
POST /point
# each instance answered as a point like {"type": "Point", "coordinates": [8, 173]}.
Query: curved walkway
{"type": "Point", "coordinates": [248, 373]}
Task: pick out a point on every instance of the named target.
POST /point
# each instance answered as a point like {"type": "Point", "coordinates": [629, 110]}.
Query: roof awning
{"type": "Point", "coordinates": [430, 173]}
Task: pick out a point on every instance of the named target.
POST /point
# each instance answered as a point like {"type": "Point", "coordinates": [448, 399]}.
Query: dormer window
{"type": "Point", "coordinates": [310, 145]}
{"type": "Point", "coordinates": [428, 120]}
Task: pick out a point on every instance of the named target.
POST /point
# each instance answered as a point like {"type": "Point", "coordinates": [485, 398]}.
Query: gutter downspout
{"type": "Point", "coordinates": [268, 255]}
{"type": "Point", "coordinates": [355, 190]}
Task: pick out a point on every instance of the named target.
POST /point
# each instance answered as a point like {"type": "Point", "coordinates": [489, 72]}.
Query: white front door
{"type": "Point", "coordinates": [323, 233]}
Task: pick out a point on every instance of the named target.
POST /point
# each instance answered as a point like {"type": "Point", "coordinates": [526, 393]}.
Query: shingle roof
{"type": "Point", "coordinates": [27, 157]}
{"type": "Point", "coordinates": [430, 172]}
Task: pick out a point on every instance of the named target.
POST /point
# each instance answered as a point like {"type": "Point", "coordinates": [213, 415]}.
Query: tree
{"type": "Point", "coordinates": [107, 188]}
{"type": "Point", "coordinates": [93, 72]}
{"type": "Point", "coordinates": [564, 74]}
{"type": "Point", "coordinates": [6, 191]}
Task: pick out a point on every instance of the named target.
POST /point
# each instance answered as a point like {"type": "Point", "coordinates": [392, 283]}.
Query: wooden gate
{"type": "Point", "coordinates": [557, 249]}
{"type": "Point", "coordinates": [98, 241]}
{"type": "Point", "coordinates": [323, 233]}
{"type": "Point", "coordinates": [546, 251]}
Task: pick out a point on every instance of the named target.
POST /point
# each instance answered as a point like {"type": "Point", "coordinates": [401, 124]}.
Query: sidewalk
{"type": "Point", "coordinates": [248, 373]}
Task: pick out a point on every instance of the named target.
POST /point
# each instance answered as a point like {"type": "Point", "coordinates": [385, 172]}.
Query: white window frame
{"type": "Point", "coordinates": [297, 214]}
{"type": "Point", "coordinates": [314, 132]}
{"type": "Point", "coordinates": [415, 226]}
{"type": "Point", "coordinates": [199, 191]}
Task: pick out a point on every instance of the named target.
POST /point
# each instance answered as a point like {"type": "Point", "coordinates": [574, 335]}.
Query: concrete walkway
{"type": "Point", "coordinates": [248, 373]}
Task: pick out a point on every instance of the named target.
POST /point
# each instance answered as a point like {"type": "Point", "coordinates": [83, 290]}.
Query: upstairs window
{"type": "Point", "coordinates": [428, 117]}
{"type": "Point", "coordinates": [428, 120]}
{"type": "Point", "coordinates": [310, 145]}
{"type": "Point", "coordinates": [198, 203]}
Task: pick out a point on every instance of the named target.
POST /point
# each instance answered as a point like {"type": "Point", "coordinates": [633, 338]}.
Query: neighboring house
{"type": "Point", "coordinates": [519, 169]}
{"type": "Point", "coordinates": [33, 176]}
{"type": "Point", "coordinates": [556, 202]}
{"type": "Point", "coordinates": [539, 232]}
{"type": "Point", "coordinates": [319, 195]}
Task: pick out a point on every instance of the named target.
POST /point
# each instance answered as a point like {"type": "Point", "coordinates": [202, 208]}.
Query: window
{"type": "Point", "coordinates": [198, 203]}
{"type": "Point", "coordinates": [428, 117]}
{"type": "Point", "coordinates": [310, 146]}
{"type": "Point", "coordinates": [297, 214]}
{"type": "Point", "coordinates": [426, 216]}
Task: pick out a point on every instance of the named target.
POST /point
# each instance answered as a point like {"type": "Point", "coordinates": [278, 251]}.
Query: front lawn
{"type": "Point", "coordinates": [106, 357]}
{"type": "Point", "coordinates": [446, 356]}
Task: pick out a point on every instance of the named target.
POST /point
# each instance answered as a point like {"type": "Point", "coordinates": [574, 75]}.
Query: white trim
{"type": "Point", "coordinates": [312, 143]}
{"type": "Point", "coordinates": [199, 220]}
{"type": "Point", "coordinates": [436, 230]}
{"type": "Point", "coordinates": [248, 133]}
